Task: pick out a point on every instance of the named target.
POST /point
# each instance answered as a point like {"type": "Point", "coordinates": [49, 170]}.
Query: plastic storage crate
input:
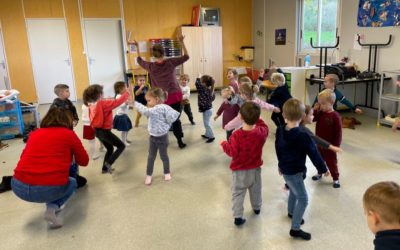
{"type": "Point", "coordinates": [11, 123]}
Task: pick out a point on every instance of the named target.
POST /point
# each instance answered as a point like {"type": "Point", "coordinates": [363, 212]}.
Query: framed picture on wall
{"type": "Point", "coordinates": [280, 37]}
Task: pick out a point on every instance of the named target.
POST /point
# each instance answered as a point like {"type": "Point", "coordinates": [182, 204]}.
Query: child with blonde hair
{"type": "Point", "coordinates": [292, 146]}
{"type": "Point", "coordinates": [248, 93]}
{"type": "Point", "coordinates": [140, 91]}
{"type": "Point", "coordinates": [183, 83]}
{"type": "Point", "coordinates": [161, 117]}
{"type": "Point", "coordinates": [382, 207]}
{"type": "Point", "coordinates": [228, 111]}
{"type": "Point", "coordinates": [122, 122]}
{"type": "Point", "coordinates": [328, 127]}
{"type": "Point", "coordinates": [278, 97]}
{"type": "Point", "coordinates": [205, 97]}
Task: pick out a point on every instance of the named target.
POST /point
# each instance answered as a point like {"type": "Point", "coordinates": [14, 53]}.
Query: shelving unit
{"type": "Point", "coordinates": [393, 97]}
{"type": "Point", "coordinates": [11, 123]}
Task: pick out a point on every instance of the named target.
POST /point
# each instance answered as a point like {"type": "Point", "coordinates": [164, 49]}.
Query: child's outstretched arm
{"type": "Point", "coordinates": [143, 109]}
{"type": "Point", "coordinates": [266, 106]}
{"type": "Point", "coordinates": [230, 148]}
{"type": "Point", "coordinates": [111, 104]}
{"type": "Point", "coordinates": [235, 123]}
{"type": "Point", "coordinates": [342, 99]}
{"type": "Point", "coordinates": [314, 155]}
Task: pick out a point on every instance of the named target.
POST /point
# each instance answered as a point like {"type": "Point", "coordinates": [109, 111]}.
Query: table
{"type": "Point", "coordinates": [367, 82]}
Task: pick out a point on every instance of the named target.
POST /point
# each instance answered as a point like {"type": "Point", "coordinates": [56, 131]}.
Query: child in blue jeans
{"type": "Point", "coordinates": [205, 97]}
{"type": "Point", "coordinates": [292, 145]}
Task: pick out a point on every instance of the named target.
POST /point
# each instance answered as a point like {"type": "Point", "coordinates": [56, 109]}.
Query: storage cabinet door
{"type": "Point", "coordinates": [194, 45]}
{"type": "Point", "coordinates": [212, 53]}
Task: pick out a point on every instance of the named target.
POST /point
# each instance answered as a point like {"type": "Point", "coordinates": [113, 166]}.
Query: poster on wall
{"type": "Point", "coordinates": [280, 37]}
{"type": "Point", "coordinates": [378, 13]}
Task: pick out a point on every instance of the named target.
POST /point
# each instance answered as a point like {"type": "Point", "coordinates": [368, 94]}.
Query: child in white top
{"type": "Point", "coordinates": [121, 120]}
{"type": "Point", "coordinates": [183, 83]}
{"type": "Point", "coordinates": [161, 117]}
{"type": "Point", "coordinates": [89, 132]}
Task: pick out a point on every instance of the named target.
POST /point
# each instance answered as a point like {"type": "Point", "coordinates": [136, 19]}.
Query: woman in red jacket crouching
{"type": "Point", "coordinates": [42, 173]}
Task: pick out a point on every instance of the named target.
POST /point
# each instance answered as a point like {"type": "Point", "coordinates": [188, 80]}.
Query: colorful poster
{"type": "Point", "coordinates": [378, 13]}
{"type": "Point", "coordinates": [280, 37]}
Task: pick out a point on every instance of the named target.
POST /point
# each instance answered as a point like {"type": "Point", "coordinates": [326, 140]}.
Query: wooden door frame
{"type": "Point", "coordinates": [5, 58]}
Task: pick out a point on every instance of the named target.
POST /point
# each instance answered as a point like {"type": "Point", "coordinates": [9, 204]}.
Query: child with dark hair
{"type": "Point", "coordinates": [246, 164]}
{"type": "Point", "coordinates": [160, 117]}
{"type": "Point", "coordinates": [101, 119]}
{"type": "Point", "coordinates": [205, 97]}
{"type": "Point", "coordinates": [42, 172]}
{"type": "Point", "coordinates": [121, 119]}
{"type": "Point", "coordinates": [292, 146]}
{"type": "Point", "coordinates": [382, 207]}
{"type": "Point", "coordinates": [233, 78]}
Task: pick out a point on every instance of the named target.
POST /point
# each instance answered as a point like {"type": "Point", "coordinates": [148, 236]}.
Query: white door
{"type": "Point", "coordinates": [212, 54]}
{"type": "Point", "coordinates": [51, 59]}
{"type": "Point", "coordinates": [4, 80]}
{"type": "Point", "coordinates": [105, 53]}
{"type": "Point", "coordinates": [194, 66]}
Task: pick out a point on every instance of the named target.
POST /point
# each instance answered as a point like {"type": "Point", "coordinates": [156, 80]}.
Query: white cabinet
{"type": "Point", "coordinates": [204, 45]}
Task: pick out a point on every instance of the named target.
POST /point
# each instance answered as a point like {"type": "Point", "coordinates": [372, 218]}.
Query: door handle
{"type": "Point", "coordinates": [91, 60]}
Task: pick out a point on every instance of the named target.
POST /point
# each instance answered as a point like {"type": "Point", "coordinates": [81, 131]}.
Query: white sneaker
{"type": "Point", "coordinates": [167, 177]}
{"type": "Point", "coordinates": [95, 157]}
{"type": "Point", "coordinates": [127, 144]}
{"type": "Point", "coordinates": [148, 180]}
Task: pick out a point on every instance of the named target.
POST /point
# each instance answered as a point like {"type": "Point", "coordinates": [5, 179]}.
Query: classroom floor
{"type": "Point", "coordinates": [193, 211]}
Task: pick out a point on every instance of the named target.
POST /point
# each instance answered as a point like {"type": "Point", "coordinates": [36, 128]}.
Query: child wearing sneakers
{"type": "Point", "coordinates": [329, 128]}
{"type": "Point", "coordinates": [161, 117]}
{"type": "Point", "coordinates": [183, 83]}
{"type": "Point", "coordinates": [121, 119]}
{"type": "Point", "coordinates": [246, 164]}
{"type": "Point", "coordinates": [140, 91]}
{"type": "Point", "coordinates": [205, 97]}
{"type": "Point", "coordinates": [382, 207]}
{"type": "Point", "coordinates": [292, 145]}
{"type": "Point", "coordinates": [100, 113]}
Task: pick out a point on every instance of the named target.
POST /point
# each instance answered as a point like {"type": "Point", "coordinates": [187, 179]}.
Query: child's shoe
{"type": "Point", "coordinates": [51, 218]}
{"type": "Point", "coordinates": [300, 234]}
{"type": "Point", "coordinates": [107, 169]}
{"type": "Point", "coordinates": [239, 221]}
{"type": "Point", "coordinates": [147, 181]}
{"type": "Point", "coordinates": [336, 184]}
{"type": "Point", "coordinates": [181, 144]}
{"type": "Point", "coordinates": [205, 137]}
{"type": "Point", "coordinates": [167, 177]}
{"type": "Point", "coordinates": [316, 177]}
{"type": "Point", "coordinates": [257, 211]}
{"type": "Point", "coordinates": [80, 181]}
{"type": "Point", "coordinates": [192, 122]}
{"type": "Point", "coordinates": [210, 140]}
{"type": "Point", "coordinates": [95, 157]}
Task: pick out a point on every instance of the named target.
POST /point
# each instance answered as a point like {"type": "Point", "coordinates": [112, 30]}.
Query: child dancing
{"type": "Point", "coordinates": [228, 111]}
{"type": "Point", "coordinates": [205, 97]}
{"type": "Point", "coordinates": [100, 113]}
{"type": "Point", "coordinates": [121, 120]}
{"type": "Point", "coordinates": [161, 117]}
{"type": "Point", "coordinates": [183, 83]}
{"type": "Point", "coordinates": [140, 91]}
{"type": "Point", "coordinates": [246, 164]}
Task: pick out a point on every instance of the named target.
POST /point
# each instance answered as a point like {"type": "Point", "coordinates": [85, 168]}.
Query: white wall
{"type": "Point", "coordinates": [283, 14]}
{"type": "Point", "coordinates": [259, 34]}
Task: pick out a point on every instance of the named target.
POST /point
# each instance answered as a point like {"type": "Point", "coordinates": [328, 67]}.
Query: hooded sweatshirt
{"type": "Point", "coordinates": [292, 146]}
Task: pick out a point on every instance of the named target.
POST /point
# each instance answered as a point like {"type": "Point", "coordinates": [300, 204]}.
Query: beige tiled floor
{"type": "Point", "coordinates": [193, 211]}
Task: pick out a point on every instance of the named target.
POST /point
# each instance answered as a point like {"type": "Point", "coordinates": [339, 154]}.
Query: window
{"type": "Point", "coordinates": [319, 21]}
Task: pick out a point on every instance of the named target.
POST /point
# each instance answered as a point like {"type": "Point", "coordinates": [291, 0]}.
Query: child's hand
{"type": "Point", "coordinates": [277, 110]}
{"type": "Point", "coordinates": [335, 149]}
{"type": "Point", "coordinates": [316, 106]}
{"type": "Point", "coordinates": [216, 117]}
{"type": "Point", "coordinates": [358, 111]}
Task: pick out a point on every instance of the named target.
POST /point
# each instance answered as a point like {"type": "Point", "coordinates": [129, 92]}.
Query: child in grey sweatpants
{"type": "Point", "coordinates": [161, 117]}
{"type": "Point", "coordinates": [245, 147]}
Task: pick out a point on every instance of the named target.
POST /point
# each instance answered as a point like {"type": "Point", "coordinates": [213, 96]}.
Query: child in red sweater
{"type": "Point", "coordinates": [101, 119]}
{"type": "Point", "coordinates": [245, 147]}
{"type": "Point", "coordinates": [329, 128]}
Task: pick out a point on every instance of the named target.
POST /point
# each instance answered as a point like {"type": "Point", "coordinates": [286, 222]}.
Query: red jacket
{"type": "Point", "coordinates": [245, 147]}
{"type": "Point", "coordinates": [48, 155]}
{"type": "Point", "coordinates": [101, 115]}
